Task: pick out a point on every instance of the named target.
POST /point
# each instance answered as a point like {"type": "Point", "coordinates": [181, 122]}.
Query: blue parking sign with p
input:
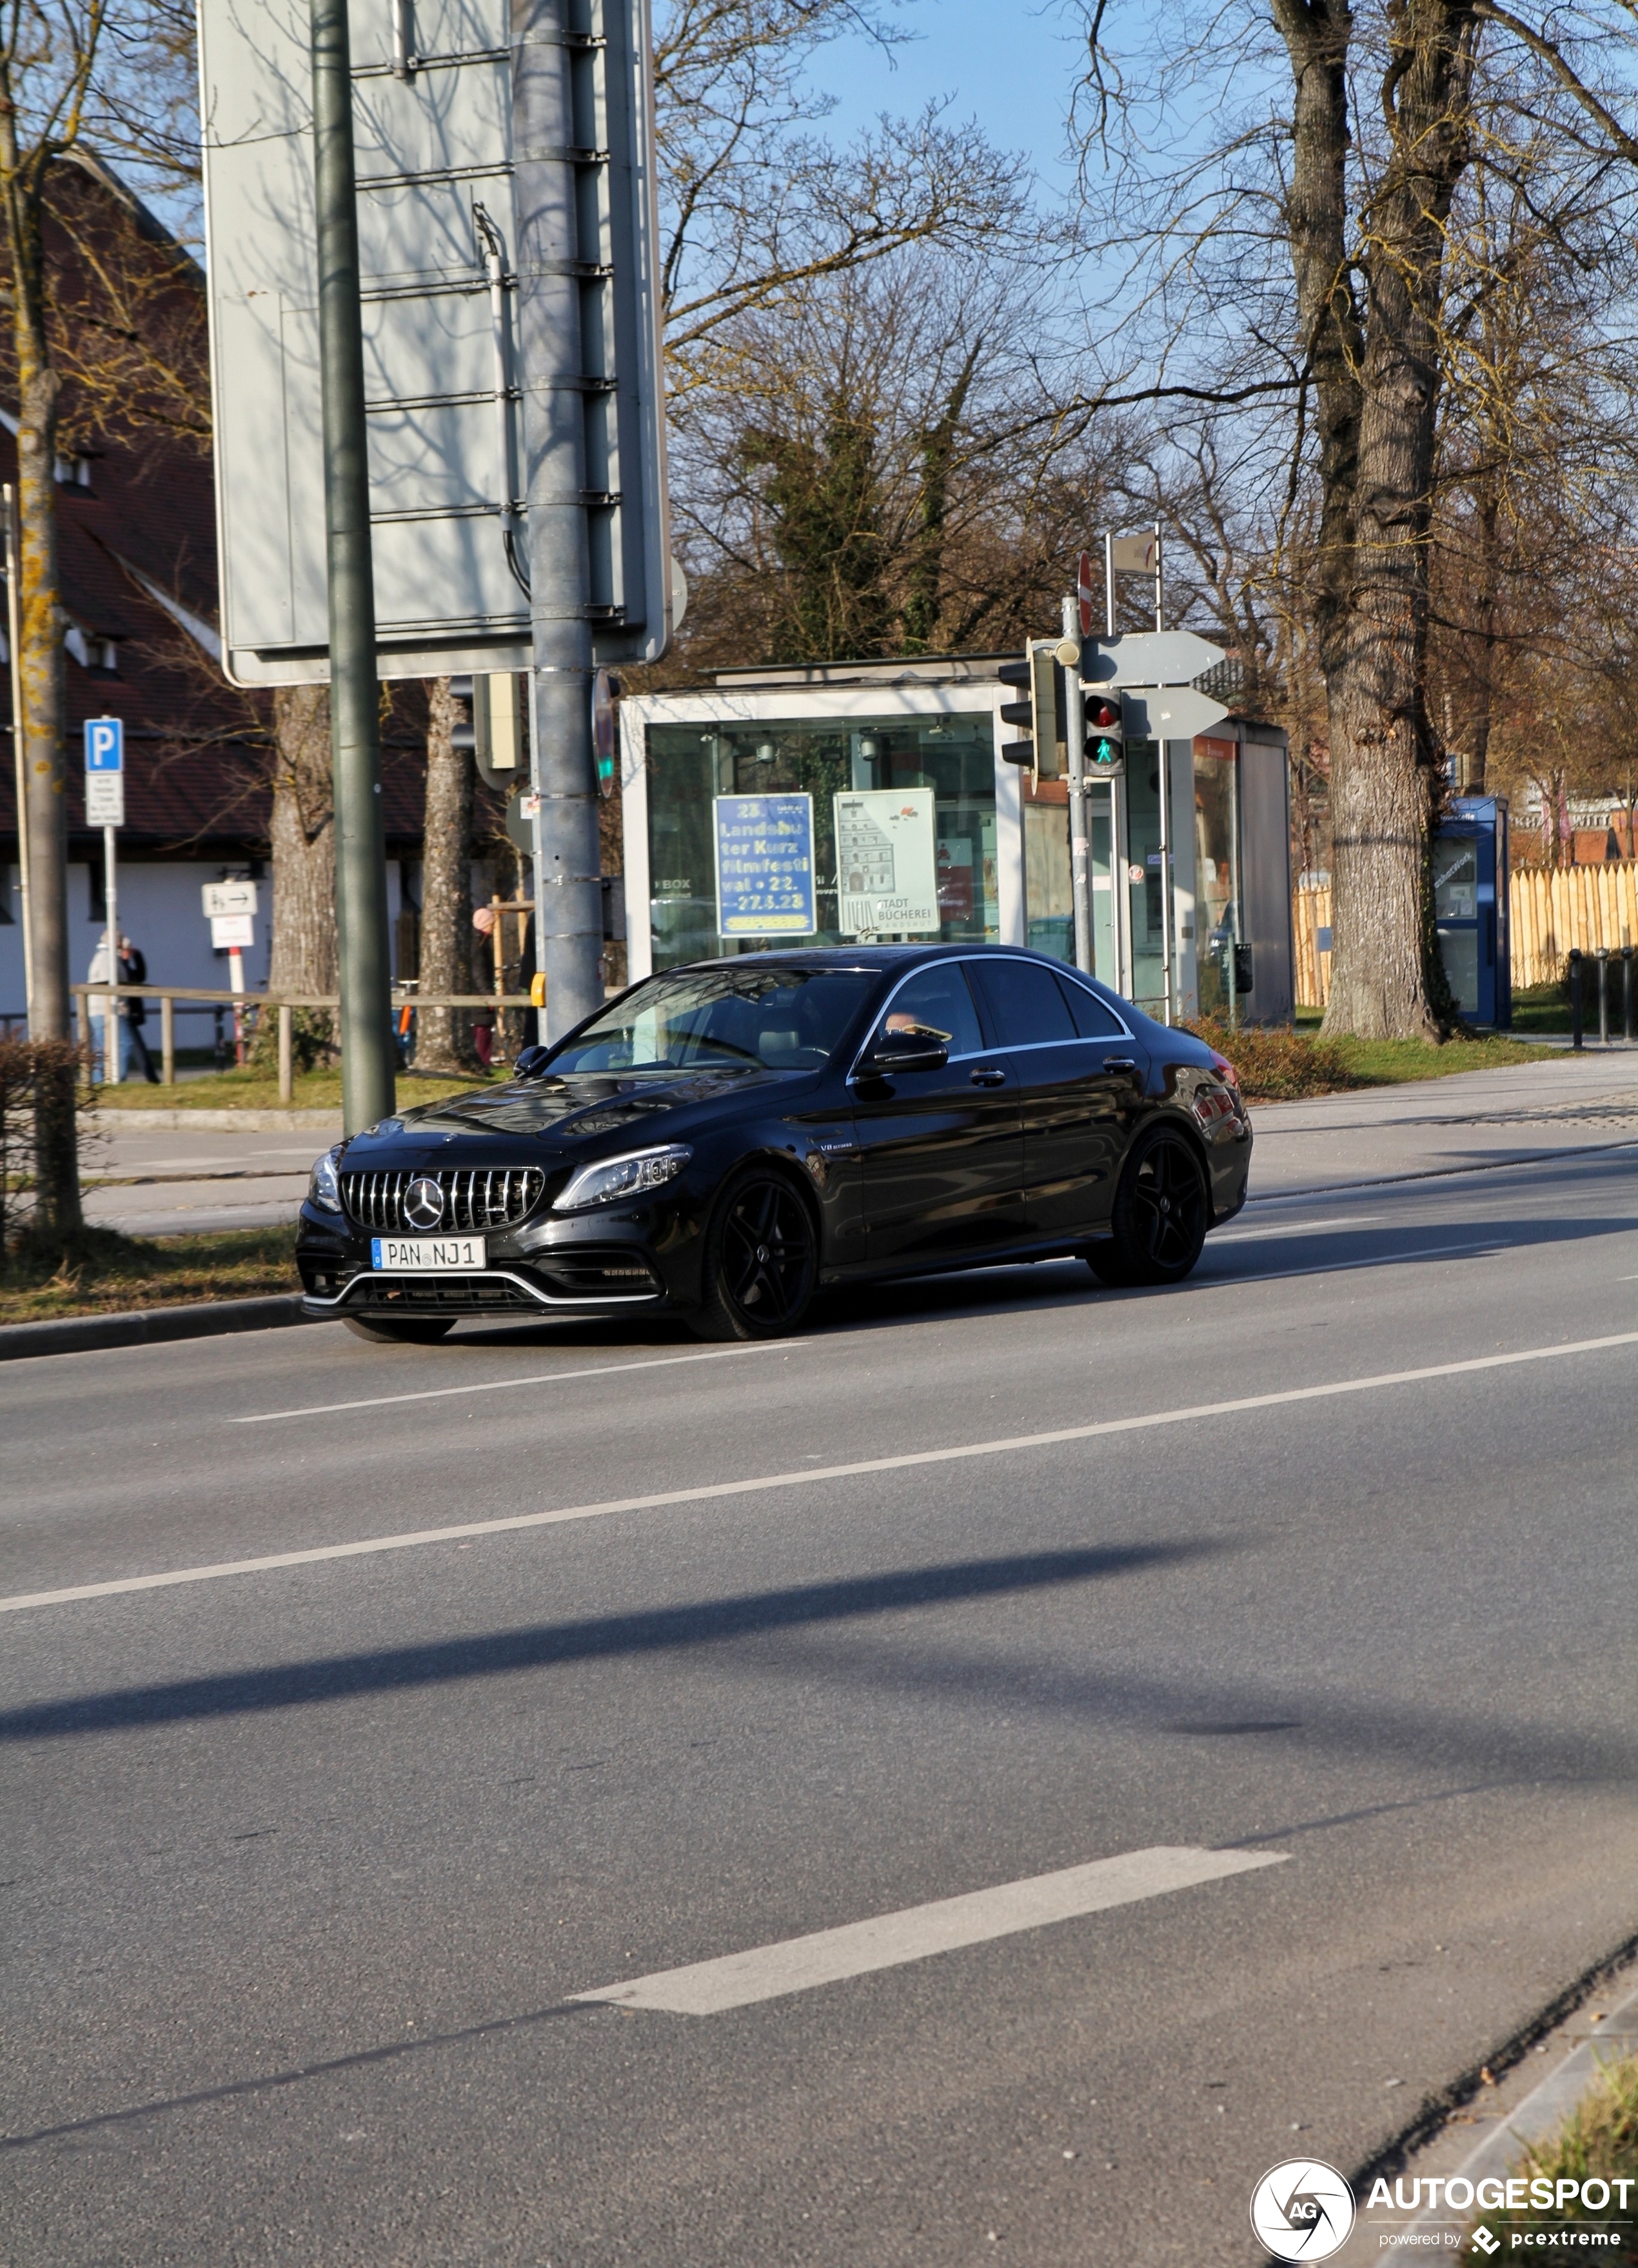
{"type": "Point", "coordinates": [105, 744]}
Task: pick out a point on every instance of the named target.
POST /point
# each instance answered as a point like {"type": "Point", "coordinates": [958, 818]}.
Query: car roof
{"type": "Point", "coordinates": [875, 960]}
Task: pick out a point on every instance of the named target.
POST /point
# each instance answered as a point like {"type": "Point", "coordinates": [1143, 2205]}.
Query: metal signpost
{"type": "Point", "coordinates": [231, 909]}
{"type": "Point", "coordinates": [105, 808]}
{"type": "Point", "coordinates": [1155, 676]}
{"type": "Point", "coordinates": [1075, 611]}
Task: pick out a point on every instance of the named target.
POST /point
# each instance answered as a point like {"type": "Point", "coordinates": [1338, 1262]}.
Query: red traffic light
{"type": "Point", "coordinates": [1103, 715]}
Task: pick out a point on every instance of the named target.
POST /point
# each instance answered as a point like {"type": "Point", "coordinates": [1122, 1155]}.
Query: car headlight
{"type": "Point", "coordinates": [324, 1189]}
{"type": "Point", "coordinates": [623, 1177]}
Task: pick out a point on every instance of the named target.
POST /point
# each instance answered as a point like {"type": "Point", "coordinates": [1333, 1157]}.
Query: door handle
{"type": "Point", "coordinates": [990, 1078]}
{"type": "Point", "coordinates": [1120, 1062]}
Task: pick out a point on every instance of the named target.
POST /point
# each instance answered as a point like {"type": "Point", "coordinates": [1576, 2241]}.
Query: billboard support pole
{"type": "Point", "coordinates": [365, 969]}
{"type": "Point", "coordinates": [551, 263]}
{"type": "Point", "coordinates": [1080, 859]}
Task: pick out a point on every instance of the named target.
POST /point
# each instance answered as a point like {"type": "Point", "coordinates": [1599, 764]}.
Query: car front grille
{"type": "Point", "coordinates": [475, 1198]}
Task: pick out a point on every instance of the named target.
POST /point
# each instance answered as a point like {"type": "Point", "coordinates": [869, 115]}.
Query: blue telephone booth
{"type": "Point", "coordinates": [1469, 908]}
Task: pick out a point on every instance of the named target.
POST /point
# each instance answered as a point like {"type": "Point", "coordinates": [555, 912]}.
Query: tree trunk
{"type": "Point", "coordinates": [305, 946]}
{"type": "Point", "coordinates": [1484, 634]}
{"type": "Point", "coordinates": [1377, 390]}
{"type": "Point", "coordinates": [1316, 34]}
{"type": "Point", "coordinates": [443, 1035]}
{"type": "Point", "coordinates": [39, 669]}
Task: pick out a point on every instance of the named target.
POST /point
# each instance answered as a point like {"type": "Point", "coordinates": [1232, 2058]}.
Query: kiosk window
{"type": "Point", "coordinates": [1026, 1004]}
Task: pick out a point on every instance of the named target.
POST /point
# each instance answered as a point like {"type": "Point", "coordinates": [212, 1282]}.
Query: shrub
{"type": "Point", "coordinates": [1276, 1064]}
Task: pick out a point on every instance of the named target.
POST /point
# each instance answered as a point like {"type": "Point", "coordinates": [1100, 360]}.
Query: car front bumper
{"type": "Point", "coordinates": [607, 1261]}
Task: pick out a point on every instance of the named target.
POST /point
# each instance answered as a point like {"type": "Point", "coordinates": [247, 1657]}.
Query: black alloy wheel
{"type": "Point", "coordinates": [761, 1261]}
{"type": "Point", "coordinates": [1160, 1215]}
{"type": "Point", "coordinates": [409, 1330]}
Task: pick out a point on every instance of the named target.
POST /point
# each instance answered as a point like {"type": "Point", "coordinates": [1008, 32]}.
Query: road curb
{"type": "Point", "coordinates": [1544, 2110]}
{"type": "Point", "coordinates": [149, 1326]}
{"type": "Point", "coordinates": [216, 1121]}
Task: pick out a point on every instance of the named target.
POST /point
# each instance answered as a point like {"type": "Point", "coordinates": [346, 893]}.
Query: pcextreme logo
{"type": "Point", "coordinates": [1303, 2210]}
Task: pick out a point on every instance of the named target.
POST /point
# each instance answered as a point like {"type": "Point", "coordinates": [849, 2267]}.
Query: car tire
{"type": "Point", "coordinates": [1160, 1215]}
{"type": "Point", "coordinates": [761, 1260]}
{"type": "Point", "coordinates": [408, 1330]}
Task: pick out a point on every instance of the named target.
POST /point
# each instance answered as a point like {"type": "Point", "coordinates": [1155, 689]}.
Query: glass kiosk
{"type": "Point", "coordinates": [1190, 850]}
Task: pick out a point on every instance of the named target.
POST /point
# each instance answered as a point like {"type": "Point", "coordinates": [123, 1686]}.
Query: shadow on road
{"type": "Point", "coordinates": [660, 1630]}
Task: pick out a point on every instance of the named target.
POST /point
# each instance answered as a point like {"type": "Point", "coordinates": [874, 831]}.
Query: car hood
{"type": "Point", "coordinates": [562, 1110]}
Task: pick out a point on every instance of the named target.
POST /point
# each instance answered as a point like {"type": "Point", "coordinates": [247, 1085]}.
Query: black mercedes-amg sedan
{"type": "Point", "coordinates": [723, 1139]}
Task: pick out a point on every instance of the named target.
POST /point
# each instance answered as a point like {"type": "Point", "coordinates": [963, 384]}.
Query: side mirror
{"type": "Point", "coordinates": [912, 1052]}
{"type": "Point", "coordinates": [530, 1061]}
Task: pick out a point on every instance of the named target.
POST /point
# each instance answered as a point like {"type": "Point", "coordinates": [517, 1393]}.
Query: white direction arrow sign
{"type": "Point", "coordinates": [1169, 713]}
{"type": "Point", "coordinates": [1150, 658]}
{"type": "Point", "coordinates": [223, 899]}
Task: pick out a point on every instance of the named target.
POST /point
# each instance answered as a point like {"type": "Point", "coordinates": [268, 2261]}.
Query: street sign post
{"type": "Point", "coordinates": [1077, 612]}
{"type": "Point", "coordinates": [231, 909]}
{"type": "Point", "coordinates": [1084, 593]}
{"type": "Point", "coordinates": [105, 808]}
{"type": "Point", "coordinates": [105, 771]}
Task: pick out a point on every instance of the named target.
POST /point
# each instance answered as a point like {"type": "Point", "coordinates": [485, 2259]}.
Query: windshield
{"type": "Point", "coordinates": [771, 1019]}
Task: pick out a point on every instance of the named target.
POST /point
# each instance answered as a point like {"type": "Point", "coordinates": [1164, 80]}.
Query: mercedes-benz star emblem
{"type": "Point", "coordinates": [423, 1203]}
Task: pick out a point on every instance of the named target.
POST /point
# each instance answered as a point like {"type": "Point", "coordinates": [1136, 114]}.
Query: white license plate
{"type": "Point", "coordinates": [425, 1256]}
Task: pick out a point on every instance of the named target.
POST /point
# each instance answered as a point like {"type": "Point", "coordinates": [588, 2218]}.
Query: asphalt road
{"type": "Point", "coordinates": [157, 1181]}
{"type": "Point", "coordinates": [305, 1866]}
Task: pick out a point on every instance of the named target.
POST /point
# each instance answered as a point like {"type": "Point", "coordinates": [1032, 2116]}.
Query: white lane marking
{"type": "Point", "coordinates": [503, 1385]}
{"type": "Point", "coordinates": [1292, 1228]}
{"type": "Point", "coordinates": [712, 1491]}
{"type": "Point", "coordinates": [705, 1988]}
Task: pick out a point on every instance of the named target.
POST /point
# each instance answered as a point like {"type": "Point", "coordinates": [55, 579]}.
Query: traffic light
{"type": "Point", "coordinates": [1105, 735]}
{"type": "Point", "coordinates": [1042, 672]}
{"type": "Point", "coordinates": [606, 690]}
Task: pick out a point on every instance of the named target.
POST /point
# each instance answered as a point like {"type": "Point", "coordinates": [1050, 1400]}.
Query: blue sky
{"type": "Point", "coordinates": [1009, 65]}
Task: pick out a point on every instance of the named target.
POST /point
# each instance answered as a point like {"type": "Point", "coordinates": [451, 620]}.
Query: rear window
{"type": "Point", "coordinates": [1025, 1005]}
{"type": "Point", "coordinates": [1092, 1020]}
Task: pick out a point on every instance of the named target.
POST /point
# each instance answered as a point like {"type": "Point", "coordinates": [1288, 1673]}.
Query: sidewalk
{"type": "Point", "coordinates": [1445, 1125]}
{"type": "Point", "coordinates": [172, 1180]}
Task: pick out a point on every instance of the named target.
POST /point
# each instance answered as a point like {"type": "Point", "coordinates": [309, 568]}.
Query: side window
{"type": "Point", "coordinates": [937, 998]}
{"type": "Point", "coordinates": [1025, 1005]}
{"type": "Point", "coordinates": [1092, 1020]}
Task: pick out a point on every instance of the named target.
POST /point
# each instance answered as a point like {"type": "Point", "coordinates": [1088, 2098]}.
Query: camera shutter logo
{"type": "Point", "coordinates": [423, 1203]}
{"type": "Point", "coordinates": [1303, 2210]}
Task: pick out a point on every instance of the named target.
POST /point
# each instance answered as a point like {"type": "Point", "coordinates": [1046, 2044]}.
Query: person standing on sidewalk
{"type": "Point", "coordinates": [134, 970]}
{"type": "Point", "coordinates": [104, 970]}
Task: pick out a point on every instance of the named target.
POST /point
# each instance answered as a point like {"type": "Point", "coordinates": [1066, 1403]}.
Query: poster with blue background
{"type": "Point", "coordinates": [765, 866]}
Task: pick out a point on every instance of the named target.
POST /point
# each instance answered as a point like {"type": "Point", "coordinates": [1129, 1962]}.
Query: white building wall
{"type": "Point", "coordinates": [162, 912]}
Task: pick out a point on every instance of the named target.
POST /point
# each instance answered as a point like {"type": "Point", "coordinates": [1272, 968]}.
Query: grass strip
{"type": "Point", "coordinates": [1599, 2143]}
{"type": "Point", "coordinates": [252, 1089]}
{"type": "Point", "coordinates": [104, 1273]}
{"type": "Point", "coordinates": [1278, 1065]}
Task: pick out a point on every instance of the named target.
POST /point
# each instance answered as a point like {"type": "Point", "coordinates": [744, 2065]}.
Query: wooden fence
{"type": "Point", "coordinates": [1550, 909]}
{"type": "Point", "coordinates": [92, 999]}
{"type": "Point", "coordinates": [1554, 908]}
